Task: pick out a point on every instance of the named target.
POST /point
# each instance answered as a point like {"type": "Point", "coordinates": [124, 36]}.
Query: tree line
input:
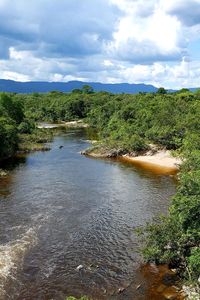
{"type": "Point", "coordinates": [131, 123]}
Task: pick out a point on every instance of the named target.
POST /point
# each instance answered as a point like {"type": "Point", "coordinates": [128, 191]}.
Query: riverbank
{"type": "Point", "coordinates": [160, 160]}
{"type": "Point", "coordinates": [70, 124]}
{"type": "Point", "coordinates": [38, 140]}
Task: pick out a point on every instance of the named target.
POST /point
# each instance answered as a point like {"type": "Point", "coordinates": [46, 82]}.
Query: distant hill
{"type": "Point", "coordinates": [43, 87]}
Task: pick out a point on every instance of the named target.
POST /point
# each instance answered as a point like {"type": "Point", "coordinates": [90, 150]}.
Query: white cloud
{"type": "Point", "coordinates": [61, 78]}
{"type": "Point", "coordinates": [108, 41]}
{"type": "Point", "coordinates": [108, 63]}
{"type": "Point", "coordinates": [179, 75]}
{"type": "Point", "coordinates": [29, 67]}
{"type": "Point", "coordinates": [187, 11]}
{"type": "Point", "coordinates": [164, 31]}
{"type": "Point", "coordinates": [146, 33]}
{"type": "Point", "coordinates": [176, 75]}
{"type": "Point", "coordinates": [14, 76]}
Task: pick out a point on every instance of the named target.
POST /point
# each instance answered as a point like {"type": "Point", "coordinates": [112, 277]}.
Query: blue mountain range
{"type": "Point", "coordinates": [44, 87]}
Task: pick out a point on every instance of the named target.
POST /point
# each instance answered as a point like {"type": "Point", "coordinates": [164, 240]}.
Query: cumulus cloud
{"type": "Point", "coordinates": [100, 40]}
{"type": "Point", "coordinates": [147, 33]}
{"type": "Point", "coordinates": [56, 27]}
{"type": "Point", "coordinates": [188, 12]}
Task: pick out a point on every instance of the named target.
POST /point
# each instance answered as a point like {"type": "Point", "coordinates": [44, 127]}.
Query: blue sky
{"type": "Point", "coordinates": [150, 41]}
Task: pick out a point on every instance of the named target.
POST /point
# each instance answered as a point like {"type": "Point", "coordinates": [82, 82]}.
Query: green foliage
{"type": "Point", "coordinates": [27, 126]}
{"type": "Point", "coordinates": [86, 89]}
{"type": "Point", "coordinates": [162, 91]}
{"type": "Point", "coordinates": [11, 114]}
{"type": "Point", "coordinates": [194, 262]}
{"type": "Point", "coordinates": [8, 137]}
{"type": "Point", "coordinates": [75, 109]}
{"type": "Point", "coordinates": [171, 120]}
{"type": "Point", "coordinates": [191, 141]}
{"type": "Point", "coordinates": [191, 161]}
{"type": "Point", "coordinates": [77, 91]}
{"type": "Point", "coordinates": [190, 183]}
{"type": "Point", "coordinates": [11, 108]}
{"type": "Point", "coordinates": [35, 141]}
{"type": "Point", "coordinates": [184, 90]}
{"type": "Point", "coordinates": [176, 238]}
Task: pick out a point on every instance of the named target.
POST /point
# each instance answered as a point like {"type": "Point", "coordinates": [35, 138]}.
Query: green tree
{"type": "Point", "coordinates": [86, 89]}
{"type": "Point", "coordinates": [8, 138]}
{"type": "Point", "coordinates": [162, 91]}
{"type": "Point", "coordinates": [13, 109]}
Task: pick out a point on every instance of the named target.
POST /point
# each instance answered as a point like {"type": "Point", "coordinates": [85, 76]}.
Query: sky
{"type": "Point", "coordinates": [135, 41]}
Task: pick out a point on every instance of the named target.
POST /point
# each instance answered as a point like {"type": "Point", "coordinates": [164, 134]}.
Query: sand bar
{"type": "Point", "coordinates": [161, 160]}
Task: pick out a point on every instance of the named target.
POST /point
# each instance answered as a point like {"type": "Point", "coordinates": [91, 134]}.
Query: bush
{"type": "Point", "coordinates": [26, 126]}
{"type": "Point", "coordinates": [175, 239]}
{"type": "Point", "coordinates": [194, 263]}
{"type": "Point", "coordinates": [136, 143]}
{"type": "Point", "coordinates": [8, 137]}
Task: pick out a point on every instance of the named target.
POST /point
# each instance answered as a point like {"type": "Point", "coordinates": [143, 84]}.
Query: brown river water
{"type": "Point", "coordinates": [60, 210]}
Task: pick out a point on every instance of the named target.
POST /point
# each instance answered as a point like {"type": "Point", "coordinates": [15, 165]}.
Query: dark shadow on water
{"type": "Point", "coordinates": [13, 162]}
{"type": "Point", "coordinates": [9, 165]}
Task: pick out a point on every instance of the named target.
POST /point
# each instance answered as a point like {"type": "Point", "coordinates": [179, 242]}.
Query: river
{"type": "Point", "coordinates": [60, 210]}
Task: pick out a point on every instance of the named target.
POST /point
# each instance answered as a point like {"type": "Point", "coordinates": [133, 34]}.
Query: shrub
{"type": "Point", "coordinates": [194, 263]}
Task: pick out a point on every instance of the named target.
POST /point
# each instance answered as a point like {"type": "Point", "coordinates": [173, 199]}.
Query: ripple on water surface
{"type": "Point", "coordinates": [63, 210]}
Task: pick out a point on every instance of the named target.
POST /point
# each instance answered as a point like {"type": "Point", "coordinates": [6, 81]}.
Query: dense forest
{"type": "Point", "coordinates": [130, 123]}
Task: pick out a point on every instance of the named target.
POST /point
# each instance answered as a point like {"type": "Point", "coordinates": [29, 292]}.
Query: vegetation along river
{"type": "Point", "coordinates": [60, 210]}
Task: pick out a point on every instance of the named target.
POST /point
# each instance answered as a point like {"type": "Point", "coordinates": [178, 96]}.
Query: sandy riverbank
{"type": "Point", "coordinates": [70, 124]}
{"type": "Point", "coordinates": [76, 124]}
{"type": "Point", "coordinates": [161, 160]}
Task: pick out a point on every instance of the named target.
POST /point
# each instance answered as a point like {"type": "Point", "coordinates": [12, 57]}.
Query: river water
{"type": "Point", "coordinates": [60, 210]}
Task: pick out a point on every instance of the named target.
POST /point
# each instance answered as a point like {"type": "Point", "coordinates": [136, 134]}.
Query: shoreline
{"type": "Point", "coordinates": [160, 161]}
{"type": "Point", "coordinates": [70, 124]}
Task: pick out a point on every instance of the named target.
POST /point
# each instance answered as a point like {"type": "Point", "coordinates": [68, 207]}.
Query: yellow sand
{"type": "Point", "coordinates": [162, 160]}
